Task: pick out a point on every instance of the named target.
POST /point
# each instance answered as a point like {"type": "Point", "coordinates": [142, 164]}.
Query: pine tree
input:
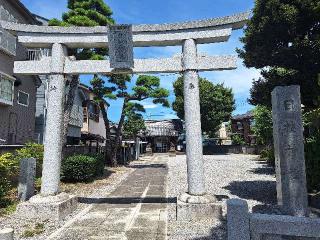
{"type": "Point", "coordinates": [84, 13]}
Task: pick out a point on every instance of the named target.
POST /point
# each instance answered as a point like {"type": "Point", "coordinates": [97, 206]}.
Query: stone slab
{"type": "Point", "coordinates": [6, 234]}
{"type": "Point", "coordinates": [27, 178]}
{"type": "Point", "coordinates": [238, 220]}
{"type": "Point", "coordinates": [121, 46]}
{"type": "Point", "coordinates": [43, 208]}
{"type": "Point", "coordinates": [194, 211]}
{"type": "Point", "coordinates": [285, 225]}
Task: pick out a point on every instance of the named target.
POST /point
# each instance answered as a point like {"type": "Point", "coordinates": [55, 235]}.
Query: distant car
{"type": "Point", "coordinates": [209, 142]}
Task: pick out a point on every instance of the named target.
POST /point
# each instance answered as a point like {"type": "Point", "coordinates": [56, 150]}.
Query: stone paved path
{"type": "Point", "coordinates": [136, 210]}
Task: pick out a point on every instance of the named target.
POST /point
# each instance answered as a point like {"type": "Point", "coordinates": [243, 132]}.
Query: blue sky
{"type": "Point", "coordinates": [146, 11]}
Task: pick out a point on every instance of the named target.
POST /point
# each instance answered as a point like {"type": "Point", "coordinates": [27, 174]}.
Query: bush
{"type": "Point", "coordinates": [79, 168]}
{"type": "Point", "coordinates": [32, 150]}
{"type": "Point", "coordinates": [312, 150]}
{"type": "Point", "coordinates": [8, 169]}
{"type": "Point", "coordinates": [237, 140]}
{"type": "Point", "coordinates": [268, 155]}
{"type": "Point", "coordinates": [100, 164]}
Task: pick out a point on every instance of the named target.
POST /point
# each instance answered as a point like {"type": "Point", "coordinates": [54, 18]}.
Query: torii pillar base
{"type": "Point", "coordinates": [197, 208]}
{"type": "Point", "coordinates": [44, 208]}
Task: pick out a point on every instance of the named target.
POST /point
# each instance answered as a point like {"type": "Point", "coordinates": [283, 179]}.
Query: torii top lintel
{"type": "Point", "coordinates": [203, 31]}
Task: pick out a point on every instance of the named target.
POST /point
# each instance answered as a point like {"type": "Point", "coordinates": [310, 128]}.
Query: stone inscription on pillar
{"type": "Point", "coordinates": [289, 150]}
{"type": "Point", "coordinates": [121, 47]}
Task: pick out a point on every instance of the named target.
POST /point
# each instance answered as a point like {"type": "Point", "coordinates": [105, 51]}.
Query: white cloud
{"type": "Point", "coordinates": [149, 106]}
{"type": "Point", "coordinates": [240, 80]}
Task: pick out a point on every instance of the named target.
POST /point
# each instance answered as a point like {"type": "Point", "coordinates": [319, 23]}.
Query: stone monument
{"type": "Point", "coordinates": [289, 150]}
{"type": "Point", "coordinates": [26, 178]}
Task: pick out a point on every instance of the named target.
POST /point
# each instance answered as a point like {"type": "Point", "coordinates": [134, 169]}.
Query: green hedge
{"type": "Point", "coordinates": [312, 149]}
{"type": "Point", "coordinates": [82, 168]}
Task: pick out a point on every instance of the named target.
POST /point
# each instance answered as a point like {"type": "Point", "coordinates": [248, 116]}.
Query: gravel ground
{"type": "Point", "coordinates": [101, 187]}
{"type": "Point", "coordinates": [227, 176]}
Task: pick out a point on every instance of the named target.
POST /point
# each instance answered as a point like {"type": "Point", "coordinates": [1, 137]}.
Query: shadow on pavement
{"type": "Point", "coordinates": [262, 191]}
{"type": "Point", "coordinates": [218, 232]}
{"type": "Point", "coordinates": [265, 170]}
{"type": "Point", "coordinates": [148, 166]}
{"type": "Point", "coordinates": [127, 200]}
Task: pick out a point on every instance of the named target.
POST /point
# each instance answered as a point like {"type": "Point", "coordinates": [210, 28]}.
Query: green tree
{"type": "Point", "coordinates": [87, 13]}
{"type": "Point", "coordinates": [117, 87]}
{"type": "Point", "coordinates": [216, 104]}
{"type": "Point", "coordinates": [283, 38]}
{"type": "Point", "coordinates": [133, 125]}
{"type": "Point", "coordinates": [263, 125]}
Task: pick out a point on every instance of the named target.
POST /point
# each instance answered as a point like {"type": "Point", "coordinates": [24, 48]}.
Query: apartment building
{"type": "Point", "coordinates": [17, 93]}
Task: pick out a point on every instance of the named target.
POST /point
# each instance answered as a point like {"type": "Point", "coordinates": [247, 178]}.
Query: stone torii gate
{"type": "Point", "coordinates": [59, 65]}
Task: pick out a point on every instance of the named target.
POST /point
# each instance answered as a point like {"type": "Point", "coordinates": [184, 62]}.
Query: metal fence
{"type": "Point", "coordinates": [38, 54]}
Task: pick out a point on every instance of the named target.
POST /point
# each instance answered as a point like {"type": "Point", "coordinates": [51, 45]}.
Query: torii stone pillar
{"type": "Point", "coordinates": [51, 204]}
{"type": "Point", "coordinates": [196, 184]}
{"type": "Point", "coordinates": [195, 204]}
{"type": "Point", "coordinates": [54, 125]}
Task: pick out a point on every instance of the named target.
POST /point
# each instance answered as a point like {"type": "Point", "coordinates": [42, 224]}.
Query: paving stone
{"type": "Point", "coordinates": [125, 214]}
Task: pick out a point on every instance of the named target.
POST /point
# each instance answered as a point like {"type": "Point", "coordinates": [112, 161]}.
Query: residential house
{"type": "Point", "coordinates": [76, 116]}
{"type": "Point", "coordinates": [242, 125]}
{"type": "Point", "coordinates": [163, 134]}
{"type": "Point", "coordinates": [93, 131]}
{"type": "Point", "coordinates": [17, 93]}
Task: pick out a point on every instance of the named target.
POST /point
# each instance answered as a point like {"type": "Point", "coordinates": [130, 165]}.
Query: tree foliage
{"type": "Point", "coordinates": [86, 13]}
{"type": "Point", "coordinates": [133, 124]}
{"type": "Point", "coordinates": [216, 104]}
{"type": "Point", "coordinates": [117, 87]}
{"type": "Point", "coordinates": [284, 34]}
{"type": "Point", "coordinates": [83, 13]}
{"type": "Point", "coordinates": [263, 125]}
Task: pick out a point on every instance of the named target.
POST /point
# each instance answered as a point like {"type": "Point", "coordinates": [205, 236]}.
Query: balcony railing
{"type": "Point", "coordinates": [8, 42]}
{"type": "Point", "coordinates": [38, 54]}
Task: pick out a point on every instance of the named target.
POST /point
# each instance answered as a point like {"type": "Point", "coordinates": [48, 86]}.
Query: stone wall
{"type": "Point", "coordinates": [232, 149]}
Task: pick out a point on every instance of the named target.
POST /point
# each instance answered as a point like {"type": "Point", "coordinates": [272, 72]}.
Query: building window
{"type": "Point", "coordinates": [23, 98]}
{"type": "Point", "coordinates": [6, 89]}
{"type": "Point", "coordinates": [239, 126]}
{"type": "Point", "coordinates": [93, 111]}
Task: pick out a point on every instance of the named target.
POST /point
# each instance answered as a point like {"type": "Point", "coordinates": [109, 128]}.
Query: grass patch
{"type": "Point", "coordinates": [9, 204]}
{"type": "Point", "coordinates": [10, 208]}
{"type": "Point", "coordinates": [37, 229]}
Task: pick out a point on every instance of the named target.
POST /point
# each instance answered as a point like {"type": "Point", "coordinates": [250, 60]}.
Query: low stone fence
{"type": "Point", "coordinates": [243, 225]}
{"type": "Point", "coordinates": [232, 149]}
